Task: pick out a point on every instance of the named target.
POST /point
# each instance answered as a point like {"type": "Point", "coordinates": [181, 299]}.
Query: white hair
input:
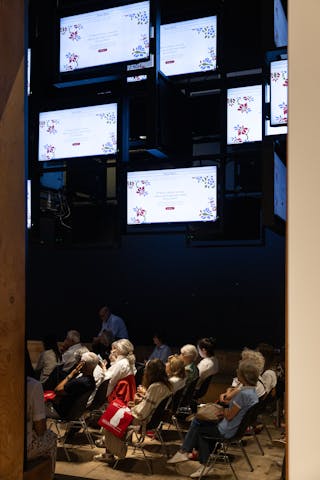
{"type": "Point", "coordinates": [125, 348]}
{"type": "Point", "coordinates": [90, 358]}
{"type": "Point", "coordinates": [74, 335]}
{"type": "Point", "coordinates": [190, 351]}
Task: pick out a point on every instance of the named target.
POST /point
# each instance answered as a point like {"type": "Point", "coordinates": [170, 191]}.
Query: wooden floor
{"type": "Point", "coordinates": [82, 465]}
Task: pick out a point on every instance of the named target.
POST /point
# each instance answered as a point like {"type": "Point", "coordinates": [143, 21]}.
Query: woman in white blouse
{"type": "Point", "coordinates": [208, 364]}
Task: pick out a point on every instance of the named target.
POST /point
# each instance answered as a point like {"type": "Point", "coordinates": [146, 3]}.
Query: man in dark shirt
{"type": "Point", "coordinates": [72, 389]}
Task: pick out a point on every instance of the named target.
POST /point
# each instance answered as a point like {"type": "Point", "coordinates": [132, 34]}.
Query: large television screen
{"type": "Point", "coordinates": [279, 92]}
{"type": "Point", "coordinates": [280, 25]}
{"type": "Point", "coordinates": [189, 46]}
{"type": "Point", "coordinates": [280, 188]}
{"type": "Point", "coordinates": [172, 195]}
{"type": "Point", "coordinates": [78, 132]}
{"type": "Point", "coordinates": [105, 37]}
{"type": "Point", "coordinates": [244, 114]}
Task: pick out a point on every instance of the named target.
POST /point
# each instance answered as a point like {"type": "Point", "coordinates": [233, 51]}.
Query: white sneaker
{"type": "Point", "coordinates": [201, 472]}
{"type": "Point", "coordinates": [178, 457]}
{"type": "Point", "coordinates": [104, 457]}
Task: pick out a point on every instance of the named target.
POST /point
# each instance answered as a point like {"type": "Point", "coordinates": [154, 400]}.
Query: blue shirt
{"type": "Point", "coordinates": [116, 325]}
{"type": "Point", "coordinates": [246, 398]}
{"type": "Point", "coordinates": [162, 352]}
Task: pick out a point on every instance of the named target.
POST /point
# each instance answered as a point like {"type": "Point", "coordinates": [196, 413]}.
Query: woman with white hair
{"type": "Point", "coordinates": [122, 363]}
{"type": "Point", "coordinates": [189, 355]}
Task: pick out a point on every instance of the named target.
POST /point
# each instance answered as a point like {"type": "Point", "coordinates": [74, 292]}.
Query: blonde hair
{"type": "Point", "coordinates": [255, 357]}
{"type": "Point", "coordinates": [176, 366]}
{"type": "Point", "coordinates": [190, 351]}
{"type": "Point", "coordinates": [125, 348]}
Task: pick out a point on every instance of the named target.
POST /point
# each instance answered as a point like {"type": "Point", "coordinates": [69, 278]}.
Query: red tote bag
{"type": "Point", "coordinates": [116, 418]}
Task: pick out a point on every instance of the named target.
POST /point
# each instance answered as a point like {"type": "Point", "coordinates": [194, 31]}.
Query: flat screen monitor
{"type": "Point", "coordinates": [189, 46]}
{"type": "Point", "coordinates": [279, 93]}
{"type": "Point", "coordinates": [172, 195]}
{"type": "Point", "coordinates": [244, 114]}
{"type": "Point", "coordinates": [280, 25]}
{"type": "Point", "coordinates": [78, 132]}
{"type": "Point", "coordinates": [280, 188]}
{"type": "Point", "coordinates": [28, 71]}
{"type": "Point", "coordinates": [105, 37]}
{"type": "Point", "coordinates": [29, 224]}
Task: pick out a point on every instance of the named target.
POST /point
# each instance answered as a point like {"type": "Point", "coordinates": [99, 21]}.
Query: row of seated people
{"type": "Point", "coordinates": [178, 371]}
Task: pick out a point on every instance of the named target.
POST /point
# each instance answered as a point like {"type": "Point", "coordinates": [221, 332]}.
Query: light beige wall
{"type": "Point", "coordinates": [12, 240]}
{"type": "Point", "coordinates": [303, 252]}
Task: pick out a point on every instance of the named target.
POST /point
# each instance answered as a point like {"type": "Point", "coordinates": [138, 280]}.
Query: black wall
{"type": "Point", "coordinates": [235, 294]}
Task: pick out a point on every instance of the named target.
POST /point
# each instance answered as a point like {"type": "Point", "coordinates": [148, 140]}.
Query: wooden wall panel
{"type": "Point", "coordinates": [12, 239]}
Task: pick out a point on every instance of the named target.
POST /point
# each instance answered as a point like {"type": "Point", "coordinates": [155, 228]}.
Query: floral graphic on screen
{"type": "Point", "coordinates": [242, 134]}
{"type": "Point", "coordinates": [142, 17]}
{"type": "Point", "coordinates": [50, 151]}
{"type": "Point", "coordinates": [72, 31]}
{"type": "Point", "coordinates": [139, 186]}
{"type": "Point", "coordinates": [282, 118]}
{"type": "Point", "coordinates": [207, 181]}
{"type": "Point", "coordinates": [209, 213]}
{"type": "Point", "coordinates": [208, 31]}
{"type": "Point", "coordinates": [140, 50]}
{"type": "Point", "coordinates": [111, 146]}
{"type": "Point", "coordinates": [50, 126]}
{"type": "Point", "coordinates": [282, 78]}
{"type": "Point", "coordinates": [140, 215]}
{"type": "Point", "coordinates": [73, 61]}
{"type": "Point", "coordinates": [242, 109]}
{"type": "Point", "coordinates": [208, 63]}
{"type": "Point", "coordinates": [110, 117]}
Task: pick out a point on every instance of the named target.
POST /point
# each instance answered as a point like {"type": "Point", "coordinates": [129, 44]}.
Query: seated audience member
{"type": "Point", "coordinates": [49, 358]}
{"type": "Point", "coordinates": [208, 364]}
{"type": "Point", "coordinates": [257, 359]}
{"type": "Point", "coordinates": [189, 355]}
{"type": "Point", "coordinates": [122, 365]}
{"type": "Point", "coordinates": [74, 385]}
{"type": "Point", "coordinates": [101, 345]}
{"type": "Point", "coordinates": [71, 345]}
{"type": "Point", "coordinates": [176, 372]}
{"type": "Point", "coordinates": [155, 388]}
{"type": "Point", "coordinates": [40, 441]}
{"type": "Point", "coordinates": [111, 324]}
{"type": "Point", "coordinates": [230, 420]}
{"type": "Point", "coordinates": [269, 376]}
{"type": "Point", "coordinates": [161, 350]}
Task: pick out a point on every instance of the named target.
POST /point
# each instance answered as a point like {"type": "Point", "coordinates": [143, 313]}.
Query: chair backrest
{"type": "Point", "coordinates": [187, 394]}
{"type": "Point", "coordinates": [100, 396]}
{"type": "Point", "coordinates": [202, 390]}
{"type": "Point", "coordinates": [78, 407]}
{"type": "Point", "coordinates": [247, 420]}
{"type": "Point", "coordinates": [159, 413]}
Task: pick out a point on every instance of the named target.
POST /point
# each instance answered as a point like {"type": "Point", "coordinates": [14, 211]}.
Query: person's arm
{"type": "Point", "coordinates": [230, 413]}
{"type": "Point", "coordinates": [60, 387]}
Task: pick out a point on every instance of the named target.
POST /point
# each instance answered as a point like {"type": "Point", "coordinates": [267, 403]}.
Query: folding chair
{"type": "Point", "coordinates": [74, 419]}
{"type": "Point", "coordinates": [136, 434]}
{"type": "Point", "coordinates": [221, 446]}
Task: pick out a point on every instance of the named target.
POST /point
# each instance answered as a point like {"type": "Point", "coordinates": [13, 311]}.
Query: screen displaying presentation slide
{"type": "Point", "coordinates": [280, 188]}
{"type": "Point", "coordinates": [280, 25]}
{"type": "Point", "coordinates": [172, 195]}
{"type": "Point", "coordinates": [279, 92]}
{"type": "Point", "coordinates": [78, 132]}
{"type": "Point", "coordinates": [104, 37]}
{"type": "Point", "coordinates": [244, 114]}
{"type": "Point", "coordinates": [189, 46]}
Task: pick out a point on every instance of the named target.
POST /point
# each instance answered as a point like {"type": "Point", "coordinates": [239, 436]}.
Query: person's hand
{"type": "Point", "coordinates": [77, 369]}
